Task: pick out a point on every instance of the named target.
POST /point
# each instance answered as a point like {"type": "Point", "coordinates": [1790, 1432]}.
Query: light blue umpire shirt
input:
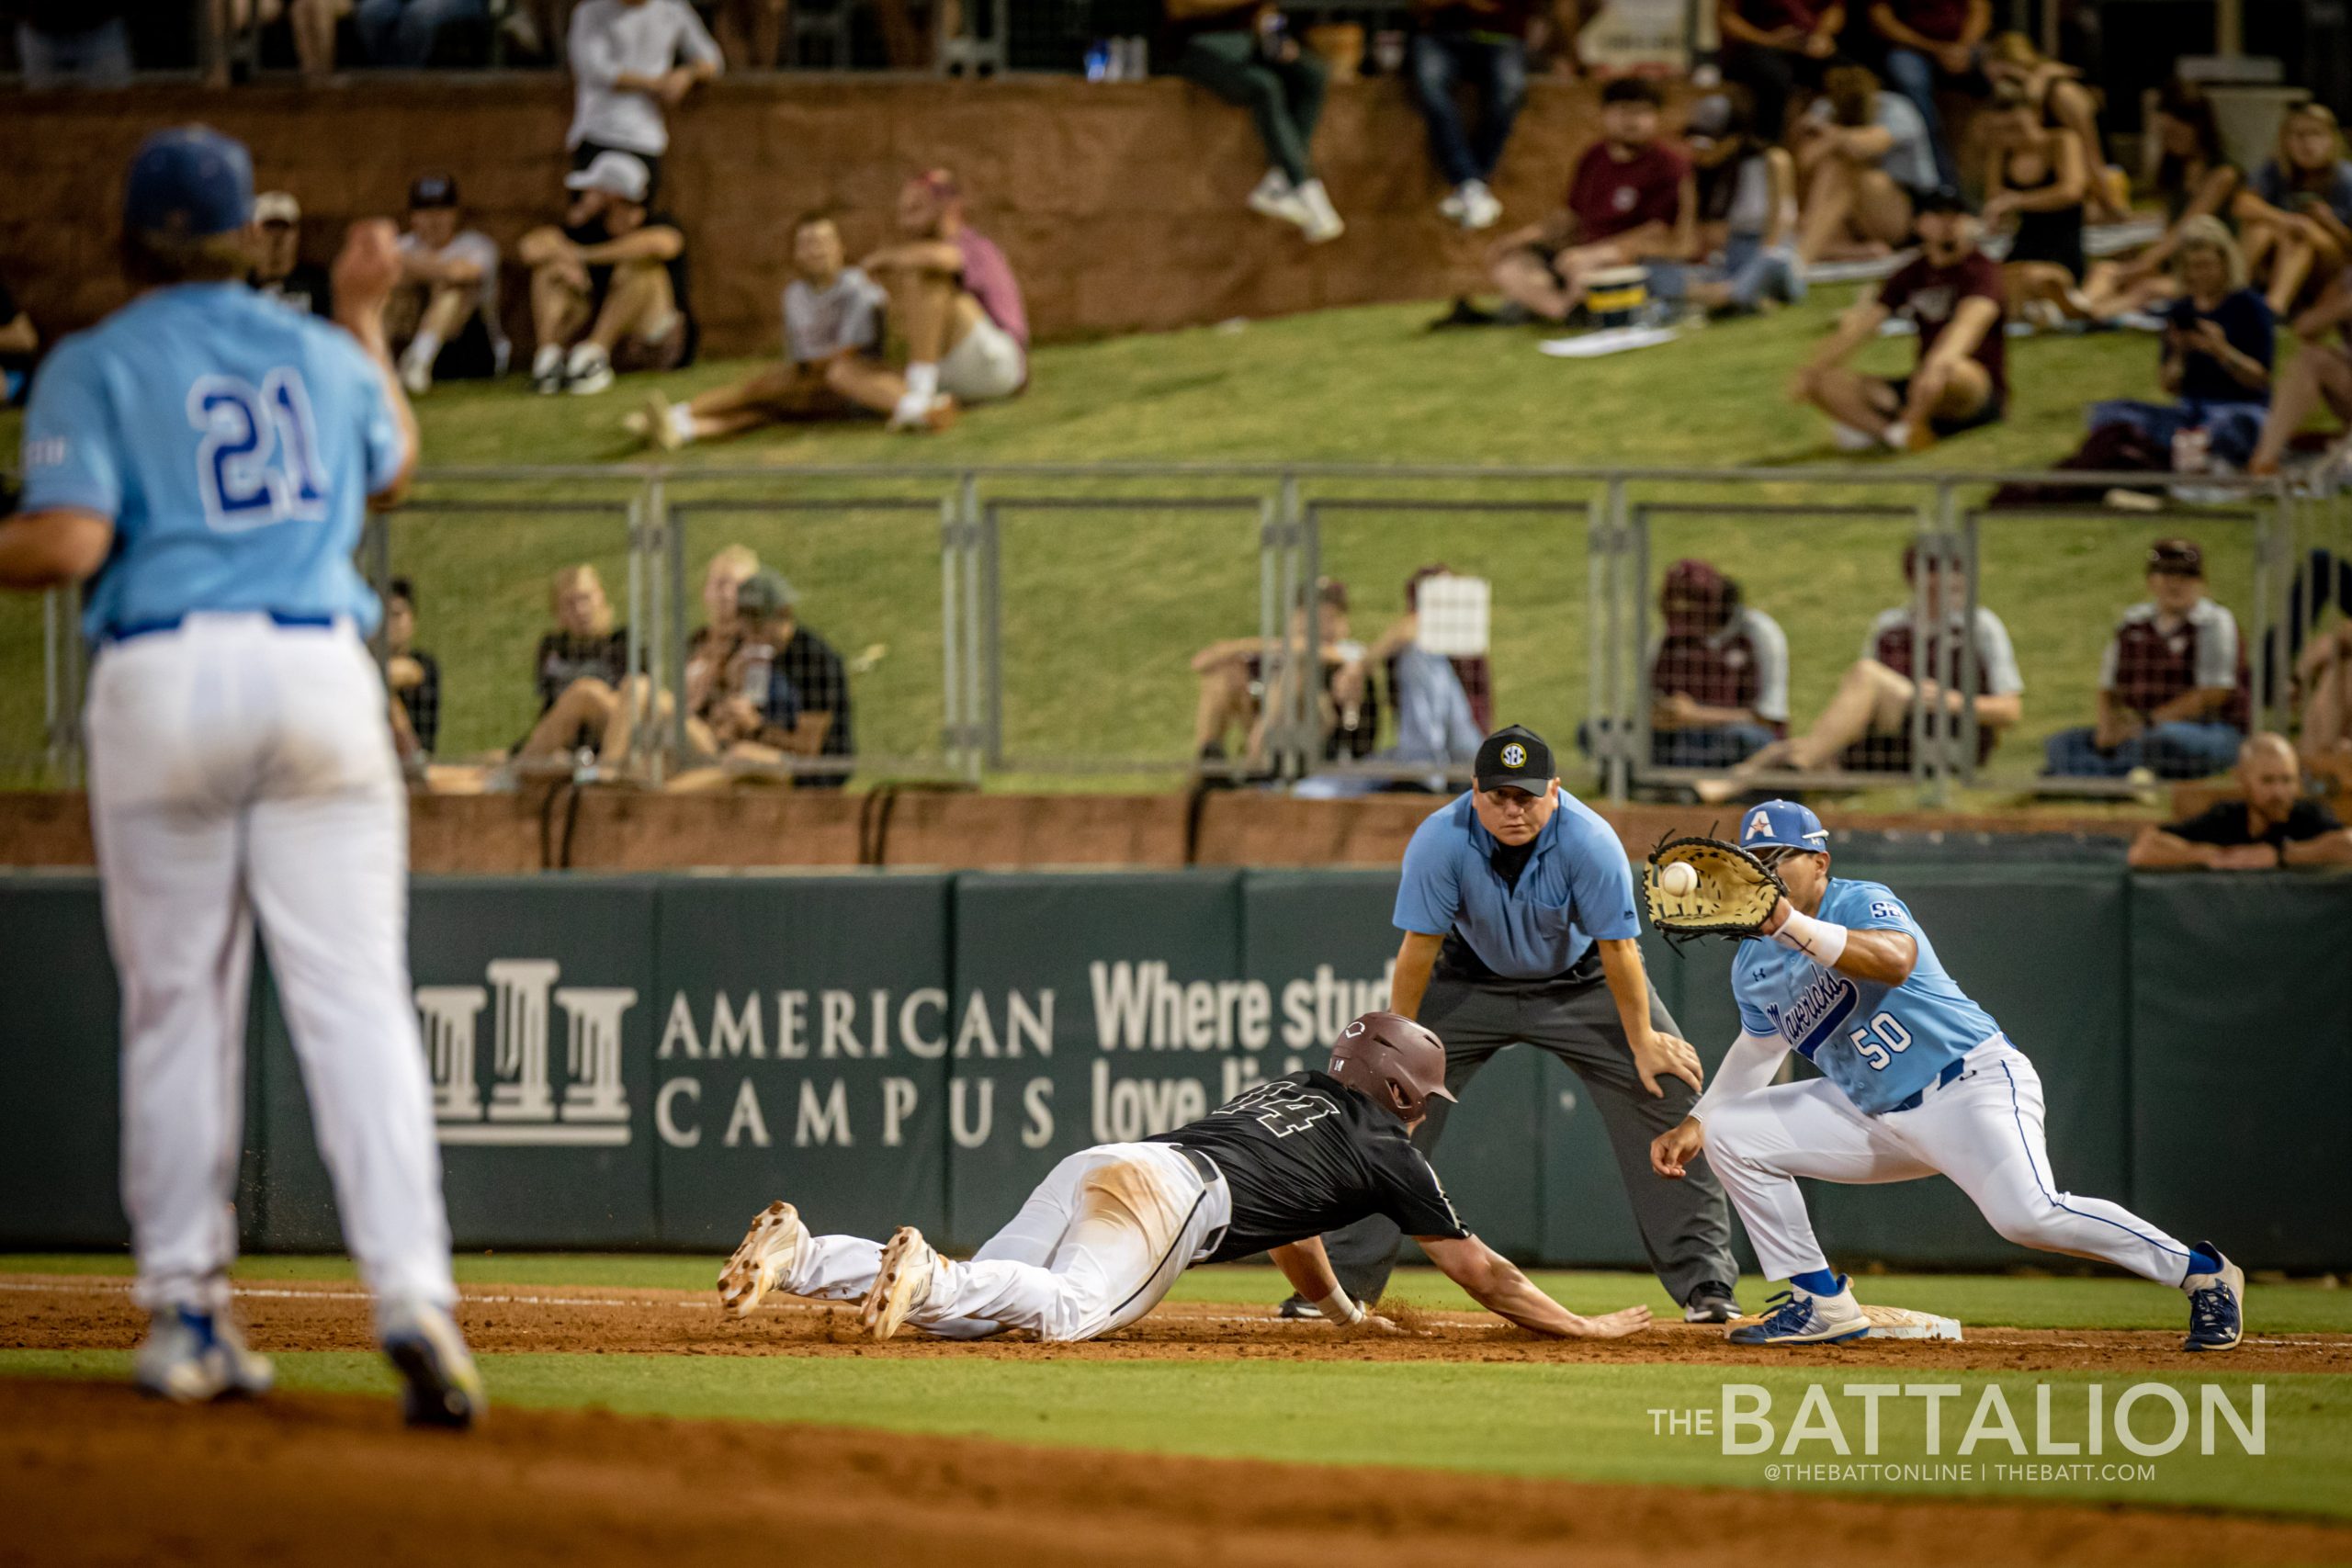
{"type": "Point", "coordinates": [1577, 887]}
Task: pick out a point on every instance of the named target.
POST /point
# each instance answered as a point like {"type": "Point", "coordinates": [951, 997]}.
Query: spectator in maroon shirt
{"type": "Point", "coordinates": [1773, 47]}
{"type": "Point", "coordinates": [1931, 45]}
{"type": "Point", "coordinates": [1867, 727]}
{"type": "Point", "coordinates": [1719, 677]}
{"type": "Point", "coordinates": [1633, 199]}
{"type": "Point", "coordinates": [2174, 692]}
{"type": "Point", "coordinates": [2273, 825]}
{"type": "Point", "coordinates": [1952, 292]}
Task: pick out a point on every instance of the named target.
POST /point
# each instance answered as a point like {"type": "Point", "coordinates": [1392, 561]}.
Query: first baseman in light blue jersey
{"type": "Point", "coordinates": [233, 443]}
{"type": "Point", "coordinates": [1917, 1080]}
{"type": "Point", "coordinates": [202, 461]}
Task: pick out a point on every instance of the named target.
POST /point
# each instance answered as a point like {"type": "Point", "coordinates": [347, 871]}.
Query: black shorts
{"type": "Point", "coordinates": [585, 154]}
{"type": "Point", "coordinates": [1995, 407]}
{"type": "Point", "coordinates": [2058, 245]}
{"type": "Point", "coordinates": [473, 356]}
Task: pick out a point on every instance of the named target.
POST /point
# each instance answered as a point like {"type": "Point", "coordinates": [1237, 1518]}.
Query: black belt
{"type": "Point", "coordinates": [172, 623]}
{"type": "Point", "coordinates": [1210, 1177]}
{"type": "Point", "coordinates": [1952, 1069]}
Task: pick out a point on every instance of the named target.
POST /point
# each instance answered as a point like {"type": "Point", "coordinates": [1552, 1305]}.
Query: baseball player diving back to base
{"type": "Point", "coordinates": [1106, 1235]}
{"type": "Point", "coordinates": [1916, 1080]}
{"type": "Point", "coordinates": [202, 460]}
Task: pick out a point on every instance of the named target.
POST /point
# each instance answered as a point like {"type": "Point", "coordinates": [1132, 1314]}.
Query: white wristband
{"type": "Point", "coordinates": [1817, 940]}
{"type": "Point", "coordinates": [1339, 1308]}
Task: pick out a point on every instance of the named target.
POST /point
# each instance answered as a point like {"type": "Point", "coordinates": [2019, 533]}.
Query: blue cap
{"type": "Point", "coordinates": [189, 182]}
{"type": "Point", "coordinates": [1783, 825]}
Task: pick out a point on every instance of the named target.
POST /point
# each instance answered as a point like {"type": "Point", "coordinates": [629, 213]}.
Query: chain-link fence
{"type": "Point", "coordinates": [1116, 625]}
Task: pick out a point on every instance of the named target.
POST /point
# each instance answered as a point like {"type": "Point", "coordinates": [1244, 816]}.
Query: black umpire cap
{"type": "Point", "coordinates": [1515, 757]}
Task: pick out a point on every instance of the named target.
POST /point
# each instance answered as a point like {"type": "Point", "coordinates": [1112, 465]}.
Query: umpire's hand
{"type": "Point", "coordinates": [1657, 1052]}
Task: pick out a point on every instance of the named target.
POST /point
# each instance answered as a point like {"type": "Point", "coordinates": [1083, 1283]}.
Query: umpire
{"type": "Point", "coordinates": [1518, 911]}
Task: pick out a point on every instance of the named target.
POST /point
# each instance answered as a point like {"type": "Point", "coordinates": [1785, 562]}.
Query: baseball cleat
{"type": "Point", "coordinates": [903, 1281]}
{"type": "Point", "coordinates": [193, 1358]}
{"type": "Point", "coordinates": [2216, 1305]}
{"type": "Point", "coordinates": [1803, 1319]}
{"type": "Point", "coordinates": [769, 1248]}
{"type": "Point", "coordinates": [1710, 1303]}
{"type": "Point", "coordinates": [439, 1384]}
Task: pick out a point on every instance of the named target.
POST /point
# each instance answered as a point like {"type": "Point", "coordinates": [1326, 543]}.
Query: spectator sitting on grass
{"type": "Point", "coordinates": [1951, 293]}
{"type": "Point", "coordinates": [2059, 98]}
{"type": "Point", "coordinates": [1864, 162]}
{"type": "Point", "coordinates": [1931, 45]}
{"type": "Point", "coordinates": [1436, 721]}
{"type": "Point", "coordinates": [1483, 42]}
{"type": "Point", "coordinates": [1244, 682]}
{"type": "Point", "coordinates": [579, 668]}
{"type": "Point", "coordinates": [443, 316]}
{"type": "Point", "coordinates": [1773, 47]}
{"type": "Point", "coordinates": [2296, 216]}
{"type": "Point", "coordinates": [955, 301]}
{"type": "Point", "coordinates": [1867, 728]}
{"type": "Point", "coordinates": [1747, 210]}
{"type": "Point", "coordinates": [413, 677]}
{"type": "Point", "coordinates": [2035, 173]}
{"type": "Point", "coordinates": [2274, 825]}
{"type": "Point", "coordinates": [632, 61]}
{"type": "Point", "coordinates": [2219, 342]}
{"type": "Point", "coordinates": [279, 270]}
{"type": "Point", "coordinates": [2173, 690]}
{"type": "Point", "coordinates": [833, 344]}
{"type": "Point", "coordinates": [784, 691]}
{"type": "Point", "coordinates": [2323, 673]}
{"type": "Point", "coordinates": [608, 290]}
{"type": "Point", "coordinates": [1633, 199]}
{"type": "Point", "coordinates": [2195, 179]}
{"type": "Point", "coordinates": [1246, 55]}
{"type": "Point", "coordinates": [2321, 372]}
{"type": "Point", "coordinates": [1719, 676]}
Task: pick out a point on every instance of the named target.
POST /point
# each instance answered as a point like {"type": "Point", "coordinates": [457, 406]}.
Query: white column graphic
{"type": "Point", "coordinates": [519, 1056]}
{"type": "Point", "coordinates": [593, 1052]}
{"type": "Point", "coordinates": [449, 1014]}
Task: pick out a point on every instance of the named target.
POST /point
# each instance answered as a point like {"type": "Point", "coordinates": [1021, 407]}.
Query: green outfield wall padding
{"type": "Point", "coordinates": [2241, 1064]}
{"type": "Point", "coordinates": [622, 1062]}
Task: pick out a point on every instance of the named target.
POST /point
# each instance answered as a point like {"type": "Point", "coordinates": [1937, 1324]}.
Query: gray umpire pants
{"type": "Point", "coordinates": [1685, 1224]}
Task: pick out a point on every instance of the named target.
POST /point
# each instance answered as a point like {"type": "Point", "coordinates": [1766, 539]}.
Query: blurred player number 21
{"type": "Point", "coordinates": [258, 462]}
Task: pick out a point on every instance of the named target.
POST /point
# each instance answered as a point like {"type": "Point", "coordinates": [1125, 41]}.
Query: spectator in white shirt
{"type": "Point", "coordinates": [631, 59]}
{"type": "Point", "coordinates": [443, 315]}
{"type": "Point", "coordinates": [832, 341]}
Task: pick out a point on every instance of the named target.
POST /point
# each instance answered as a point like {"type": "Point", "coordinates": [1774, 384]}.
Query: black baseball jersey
{"type": "Point", "coordinates": [1306, 1154]}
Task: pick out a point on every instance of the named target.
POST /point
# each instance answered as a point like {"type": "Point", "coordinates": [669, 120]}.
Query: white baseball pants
{"type": "Point", "coordinates": [1097, 1246]}
{"type": "Point", "coordinates": [1982, 1130]}
{"type": "Point", "coordinates": [241, 769]}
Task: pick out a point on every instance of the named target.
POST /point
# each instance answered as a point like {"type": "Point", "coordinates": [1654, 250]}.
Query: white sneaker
{"type": "Point", "coordinates": [1847, 438]}
{"type": "Point", "coordinates": [416, 373]}
{"type": "Point", "coordinates": [191, 1357]}
{"type": "Point", "coordinates": [903, 1282]}
{"type": "Point", "coordinates": [916, 415]}
{"type": "Point", "coordinates": [1322, 223]}
{"type": "Point", "coordinates": [660, 423]}
{"type": "Point", "coordinates": [769, 1248]}
{"type": "Point", "coordinates": [1272, 196]}
{"type": "Point", "coordinates": [1806, 1319]}
{"type": "Point", "coordinates": [587, 371]}
{"type": "Point", "coordinates": [547, 368]}
{"type": "Point", "coordinates": [1476, 206]}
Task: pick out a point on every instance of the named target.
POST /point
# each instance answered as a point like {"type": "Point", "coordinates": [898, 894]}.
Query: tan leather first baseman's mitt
{"type": "Point", "coordinates": [1707, 888]}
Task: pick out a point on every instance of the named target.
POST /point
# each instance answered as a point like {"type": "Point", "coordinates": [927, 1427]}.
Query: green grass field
{"type": "Point", "coordinates": [1558, 1420]}
{"type": "Point", "coordinates": [1101, 609]}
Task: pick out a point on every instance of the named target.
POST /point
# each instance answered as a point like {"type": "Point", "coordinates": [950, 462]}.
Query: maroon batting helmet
{"type": "Point", "coordinates": [1393, 1059]}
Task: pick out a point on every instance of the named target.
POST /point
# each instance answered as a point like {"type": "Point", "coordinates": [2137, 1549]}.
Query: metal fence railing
{"type": "Point", "coordinates": [1044, 625]}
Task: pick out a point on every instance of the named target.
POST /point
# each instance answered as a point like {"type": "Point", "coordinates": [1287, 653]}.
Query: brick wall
{"type": "Point", "coordinates": [1120, 205]}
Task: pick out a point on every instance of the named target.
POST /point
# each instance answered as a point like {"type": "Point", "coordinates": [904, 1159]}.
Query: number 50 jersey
{"type": "Point", "coordinates": [1306, 1154]}
{"type": "Point", "coordinates": [233, 443]}
{"type": "Point", "coordinates": [1880, 1045]}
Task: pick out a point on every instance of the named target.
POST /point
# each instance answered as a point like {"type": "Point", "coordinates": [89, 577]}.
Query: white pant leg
{"type": "Point", "coordinates": [327, 865]}
{"type": "Point", "coordinates": [1986, 1133]}
{"type": "Point", "coordinates": [1758, 1145]}
{"type": "Point", "coordinates": [168, 840]}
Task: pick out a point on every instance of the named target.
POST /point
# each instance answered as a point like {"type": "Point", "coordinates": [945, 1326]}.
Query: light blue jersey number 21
{"type": "Point", "coordinates": [258, 463]}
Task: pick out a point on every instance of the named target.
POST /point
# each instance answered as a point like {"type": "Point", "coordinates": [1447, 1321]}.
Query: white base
{"type": "Point", "coordinates": [1900, 1323]}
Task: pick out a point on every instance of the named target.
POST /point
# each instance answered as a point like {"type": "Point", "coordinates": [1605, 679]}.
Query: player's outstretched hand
{"type": "Point", "coordinates": [1669, 1054]}
{"type": "Point", "coordinates": [1611, 1325]}
{"type": "Point", "coordinates": [1673, 1150]}
{"type": "Point", "coordinates": [368, 265]}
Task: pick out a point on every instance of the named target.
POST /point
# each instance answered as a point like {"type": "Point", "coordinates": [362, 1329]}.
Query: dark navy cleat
{"type": "Point", "coordinates": [2216, 1305]}
{"type": "Point", "coordinates": [439, 1384]}
{"type": "Point", "coordinates": [1801, 1319]}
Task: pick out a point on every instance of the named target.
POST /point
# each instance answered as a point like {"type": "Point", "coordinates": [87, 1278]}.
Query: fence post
{"type": "Point", "coordinates": [2274, 538]}
{"type": "Point", "coordinates": [673, 628]}
{"type": "Point", "coordinates": [990, 606]}
{"type": "Point", "coordinates": [975, 711]}
{"type": "Point", "coordinates": [1282, 734]}
{"type": "Point", "coordinates": [951, 688]}
{"type": "Point", "coordinates": [1618, 768]}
